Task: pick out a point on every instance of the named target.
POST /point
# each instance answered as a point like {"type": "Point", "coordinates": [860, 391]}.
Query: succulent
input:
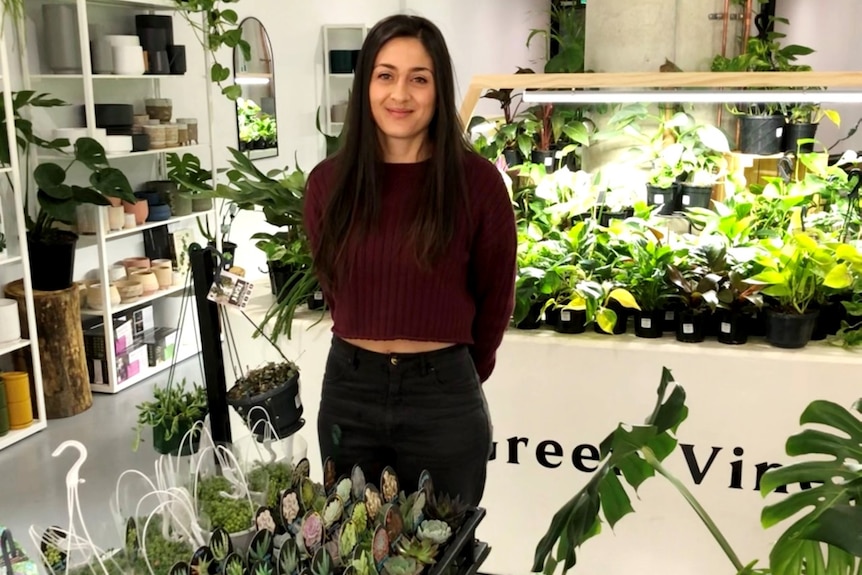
{"type": "Point", "coordinates": [263, 569]}
{"type": "Point", "coordinates": [364, 565]}
{"type": "Point", "coordinates": [445, 508]}
{"type": "Point", "coordinates": [312, 531]}
{"type": "Point", "coordinates": [435, 531]}
{"type": "Point", "coordinates": [398, 565]}
{"type": "Point", "coordinates": [270, 478]}
{"type": "Point", "coordinates": [332, 511]}
{"type": "Point", "coordinates": [344, 488]}
{"type": "Point", "coordinates": [360, 518]}
{"type": "Point", "coordinates": [288, 557]}
{"type": "Point", "coordinates": [424, 551]}
{"type": "Point", "coordinates": [259, 381]}
{"type": "Point", "coordinates": [321, 564]}
{"type": "Point", "coordinates": [347, 539]}
{"type": "Point", "coordinates": [260, 549]}
{"type": "Point", "coordinates": [235, 568]}
{"type": "Point", "coordinates": [233, 515]}
{"type": "Point", "coordinates": [411, 508]}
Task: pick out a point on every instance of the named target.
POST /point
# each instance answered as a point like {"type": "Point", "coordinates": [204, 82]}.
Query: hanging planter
{"type": "Point", "coordinates": [173, 413]}
{"type": "Point", "coordinates": [270, 392]}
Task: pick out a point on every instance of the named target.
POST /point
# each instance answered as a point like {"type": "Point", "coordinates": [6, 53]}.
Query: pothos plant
{"type": "Point", "coordinates": [216, 28]}
{"type": "Point", "coordinates": [826, 539]}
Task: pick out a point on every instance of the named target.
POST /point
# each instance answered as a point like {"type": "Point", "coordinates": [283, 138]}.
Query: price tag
{"type": "Point", "coordinates": [565, 315]}
{"type": "Point", "coordinates": [658, 198]}
{"type": "Point", "coordinates": [686, 200]}
{"type": "Point", "coordinates": [549, 162]}
{"type": "Point", "coordinates": [779, 132]}
{"type": "Point", "coordinates": [688, 328]}
{"type": "Point", "coordinates": [230, 290]}
{"type": "Point", "coordinates": [725, 327]}
{"type": "Point", "coordinates": [646, 322]}
{"type": "Point", "coordinates": [318, 296]}
{"type": "Point", "coordinates": [668, 315]}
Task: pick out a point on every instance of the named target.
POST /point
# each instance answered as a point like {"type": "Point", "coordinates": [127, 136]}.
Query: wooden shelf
{"type": "Point", "coordinates": [6, 348]}
{"type": "Point", "coordinates": [16, 435]}
{"type": "Point", "coordinates": [90, 239]}
{"type": "Point", "coordinates": [184, 353]}
{"type": "Point", "coordinates": [139, 302]}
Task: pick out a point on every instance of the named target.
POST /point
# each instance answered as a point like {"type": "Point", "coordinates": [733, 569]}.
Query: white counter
{"type": "Point", "coordinates": [554, 397]}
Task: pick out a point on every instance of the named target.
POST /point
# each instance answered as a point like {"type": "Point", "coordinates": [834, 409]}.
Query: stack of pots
{"type": "Point", "coordinates": [16, 396]}
{"type": "Point", "coordinates": [180, 203]}
{"type": "Point", "coordinates": [118, 122]}
{"type": "Point", "coordinates": [153, 275]}
{"type": "Point", "coordinates": [158, 210]}
{"type": "Point", "coordinates": [157, 38]}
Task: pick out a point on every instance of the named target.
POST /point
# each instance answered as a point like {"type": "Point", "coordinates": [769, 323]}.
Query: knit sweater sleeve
{"type": "Point", "coordinates": [492, 268]}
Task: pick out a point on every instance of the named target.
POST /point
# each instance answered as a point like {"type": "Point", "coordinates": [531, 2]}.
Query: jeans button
{"type": "Point", "coordinates": [393, 360]}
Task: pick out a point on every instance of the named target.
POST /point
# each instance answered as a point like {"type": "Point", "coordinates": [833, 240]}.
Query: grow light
{"type": "Point", "coordinates": [677, 96]}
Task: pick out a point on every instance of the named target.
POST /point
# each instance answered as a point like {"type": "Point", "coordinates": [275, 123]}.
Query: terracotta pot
{"type": "Point", "coordinates": [165, 276]}
{"type": "Point", "coordinates": [161, 263]}
{"type": "Point", "coordinates": [130, 290]}
{"type": "Point", "coordinates": [136, 262]}
{"type": "Point", "coordinates": [140, 209]}
{"type": "Point", "coordinates": [94, 296]}
{"type": "Point", "coordinates": [115, 202]}
{"type": "Point", "coordinates": [148, 281]}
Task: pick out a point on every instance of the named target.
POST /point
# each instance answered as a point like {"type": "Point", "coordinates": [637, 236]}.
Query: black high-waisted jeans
{"type": "Point", "coordinates": [412, 411]}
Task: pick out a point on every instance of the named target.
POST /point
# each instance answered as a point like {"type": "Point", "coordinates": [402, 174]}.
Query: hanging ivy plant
{"type": "Point", "coordinates": [216, 28]}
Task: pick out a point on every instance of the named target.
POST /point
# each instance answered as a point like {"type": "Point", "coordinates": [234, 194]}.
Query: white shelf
{"type": "Point", "coordinates": [6, 348]}
{"type": "Point", "coordinates": [49, 77]}
{"type": "Point", "coordinates": [6, 170]}
{"type": "Point", "coordinates": [143, 4]}
{"type": "Point", "coordinates": [139, 302]}
{"type": "Point", "coordinates": [179, 150]}
{"type": "Point", "coordinates": [10, 261]}
{"type": "Point", "coordinates": [344, 76]}
{"type": "Point", "coordinates": [90, 239]}
{"type": "Point", "coordinates": [184, 353]}
{"type": "Point", "coordinates": [16, 435]}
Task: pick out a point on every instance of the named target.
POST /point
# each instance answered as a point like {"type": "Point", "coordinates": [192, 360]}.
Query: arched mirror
{"type": "Point", "coordinates": [255, 110]}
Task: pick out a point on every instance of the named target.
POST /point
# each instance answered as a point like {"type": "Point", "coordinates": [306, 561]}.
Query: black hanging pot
{"type": "Point", "coordinates": [59, 250]}
{"type": "Point", "coordinates": [572, 320]}
{"type": "Point", "coordinates": [733, 326]}
{"type": "Point", "coordinates": [649, 323]}
{"type": "Point", "coordinates": [761, 135]}
{"type": "Point", "coordinates": [795, 132]}
{"type": "Point", "coordinates": [667, 198]}
{"type": "Point", "coordinates": [171, 446]}
{"type": "Point", "coordinates": [790, 330]}
{"type": "Point", "coordinates": [690, 326]}
{"type": "Point", "coordinates": [281, 405]}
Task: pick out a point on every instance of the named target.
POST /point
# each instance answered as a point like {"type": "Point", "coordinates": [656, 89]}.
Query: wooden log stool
{"type": "Point", "coordinates": [65, 379]}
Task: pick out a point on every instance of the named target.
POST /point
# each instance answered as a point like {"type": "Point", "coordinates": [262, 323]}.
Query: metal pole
{"type": "Point", "coordinates": [203, 273]}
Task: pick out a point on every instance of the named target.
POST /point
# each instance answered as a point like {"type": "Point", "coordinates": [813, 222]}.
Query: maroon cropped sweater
{"type": "Point", "coordinates": [469, 295]}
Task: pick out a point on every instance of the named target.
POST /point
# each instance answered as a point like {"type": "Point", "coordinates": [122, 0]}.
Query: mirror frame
{"type": "Point", "coordinates": [238, 60]}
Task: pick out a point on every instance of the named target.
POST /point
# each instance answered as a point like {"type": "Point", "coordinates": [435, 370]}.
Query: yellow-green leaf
{"type": "Point", "coordinates": [624, 297]}
{"type": "Point", "coordinates": [848, 253]}
{"type": "Point", "coordinates": [838, 277]}
{"type": "Point", "coordinates": [834, 116]}
{"type": "Point", "coordinates": [768, 277]}
{"type": "Point", "coordinates": [805, 241]}
{"type": "Point", "coordinates": [577, 302]}
{"type": "Point", "coordinates": [606, 318]}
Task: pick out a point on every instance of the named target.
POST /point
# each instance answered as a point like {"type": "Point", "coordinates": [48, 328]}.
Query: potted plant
{"type": "Point", "coordinates": [269, 392]}
{"type": "Point", "coordinates": [607, 305]}
{"type": "Point", "coordinates": [793, 271]}
{"type": "Point", "coordinates": [57, 201]}
{"type": "Point", "coordinates": [704, 163]}
{"type": "Point", "coordinates": [171, 414]}
{"type": "Point", "coordinates": [802, 123]}
{"type": "Point", "coordinates": [645, 272]}
{"type": "Point", "coordinates": [191, 179]}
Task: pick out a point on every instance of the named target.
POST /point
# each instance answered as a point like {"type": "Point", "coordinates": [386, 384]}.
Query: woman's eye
{"type": "Point", "coordinates": [384, 76]}
{"type": "Point", "coordinates": [421, 79]}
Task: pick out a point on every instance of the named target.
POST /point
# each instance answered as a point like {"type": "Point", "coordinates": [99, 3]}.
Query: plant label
{"type": "Point", "coordinates": [646, 322]}
{"type": "Point", "coordinates": [318, 296]}
{"type": "Point", "coordinates": [658, 199]}
{"type": "Point", "coordinates": [230, 290]}
{"type": "Point", "coordinates": [688, 328]}
{"type": "Point", "coordinates": [725, 327]}
{"type": "Point", "coordinates": [779, 132]}
{"type": "Point", "coordinates": [565, 315]}
{"type": "Point", "coordinates": [686, 200]}
{"type": "Point", "coordinates": [668, 315]}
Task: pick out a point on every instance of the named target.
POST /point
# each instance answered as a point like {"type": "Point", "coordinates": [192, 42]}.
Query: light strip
{"type": "Point", "coordinates": [251, 80]}
{"type": "Point", "coordinates": [718, 96]}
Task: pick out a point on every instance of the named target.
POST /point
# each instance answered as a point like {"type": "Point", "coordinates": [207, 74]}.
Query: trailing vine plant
{"type": "Point", "coordinates": [216, 28]}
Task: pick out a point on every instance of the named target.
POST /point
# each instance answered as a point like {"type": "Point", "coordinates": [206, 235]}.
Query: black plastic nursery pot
{"type": "Point", "coordinates": [552, 315]}
{"type": "Point", "coordinates": [316, 300]}
{"type": "Point", "coordinates": [695, 196]}
{"type": "Point", "coordinates": [691, 326]}
{"type": "Point", "coordinates": [52, 261]}
{"type": "Point", "coordinates": [621, 325]}
{"type": "Point", "coordinates": [546, 158]}
{"type": "Point", "coordinates": [649, 323]}
{"type": "Point", "coordinates": [733, 326]}
{"type": "Point", "coordinates": [667, 198]}
{"type": "Point", "coordinates": [534, 317]}
{"type": "Point", "coordinates": [171, 446]}
{"type": "Point", "coordinates": [828, 320]}
{"type": "Point", "coordinates": [281, 279]}
{"type": "Point", "coordinates": [757, 323]}
{"type": "Point", "coordinates": [281, 405]}
{"type": "Point", "coordinates": [790, 330]}
{"type": "Point", "coordinates": [762, 135]}
{"type": "Point", "coordinates": [670, 316]}
{"type": "Point", "coordinates": [605, 217]}
{"type": "Point", "coordinates": [571, 320]}
{"type": "Point", "coordinates": [795, 132]}
{"type": "Point", "coordinates": [513, 157]}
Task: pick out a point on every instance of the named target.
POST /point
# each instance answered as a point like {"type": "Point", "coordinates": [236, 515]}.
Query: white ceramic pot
{"type": "Point", "coordinates": [118, 144]}
{"type": "Point", "coordinates": [115, 218]}
{"type": "Point", "coordinates": [128, 60]}
{"type": "Point", "coordinates": [87, 216]}
{"type": "Point", "coordinates": [9, 320]}
{"type": "Point", "coordinates": [129, 221]}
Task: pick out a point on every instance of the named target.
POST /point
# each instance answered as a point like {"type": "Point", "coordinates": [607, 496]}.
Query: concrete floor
{"type": "Point", "coordinates": [32, 482]}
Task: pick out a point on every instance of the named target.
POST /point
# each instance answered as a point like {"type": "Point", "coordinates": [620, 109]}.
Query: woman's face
{"type": "Point", "coordinates": [401, 92]}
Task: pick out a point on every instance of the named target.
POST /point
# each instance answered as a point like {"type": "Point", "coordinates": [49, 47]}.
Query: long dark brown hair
{"type": "Point", "coordinates": [354, 202]}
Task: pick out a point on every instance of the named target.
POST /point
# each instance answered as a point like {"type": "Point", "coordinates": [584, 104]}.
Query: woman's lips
{"type": "Point", "coordinates": [398, 113]}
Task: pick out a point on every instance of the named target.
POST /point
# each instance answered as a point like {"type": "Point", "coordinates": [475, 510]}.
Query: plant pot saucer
{"type": "Point", "coordinates": [283, 433]}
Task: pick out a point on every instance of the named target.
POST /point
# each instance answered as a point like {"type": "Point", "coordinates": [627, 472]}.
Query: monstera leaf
{"type": "Point", "coordinates": [636, 451]}
{"type": "Point", "coordinates": [833, 500]}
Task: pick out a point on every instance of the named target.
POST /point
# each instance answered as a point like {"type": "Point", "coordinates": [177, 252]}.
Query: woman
{"type": "Point", "coordinates": [413, 237]}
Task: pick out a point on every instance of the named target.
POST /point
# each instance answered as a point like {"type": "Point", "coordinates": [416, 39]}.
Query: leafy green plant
{"type": "Point", "coordinates": [270, 478]}
{"type": "Point", "coordinates": [214, 29]}
{"type": "Point", "coordinates": [262, 379]}
{"type": "Point", "coordinates": [568, 30]}
{"type": "Point", "coordinates": [174, 408]}
{"type": "Point", "coordinates": [231, 514]}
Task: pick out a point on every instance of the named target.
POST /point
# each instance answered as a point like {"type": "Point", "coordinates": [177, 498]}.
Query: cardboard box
{"type": "Point", "coordinates": [161, 345]}
{"type": "Point", "coordinates": [94, 338]}
{"type": "Point", "coordinates": [129, 364]}
{"type": "Point", "coordinates": [142, 320]}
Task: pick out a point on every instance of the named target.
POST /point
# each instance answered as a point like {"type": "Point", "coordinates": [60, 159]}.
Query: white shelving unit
{"type": "Point", "coordinates": [13, 171]}
{"type": "Point", "coordinates": [145, 86]}
{"type": "Point", "coordinates": [337, 85]}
